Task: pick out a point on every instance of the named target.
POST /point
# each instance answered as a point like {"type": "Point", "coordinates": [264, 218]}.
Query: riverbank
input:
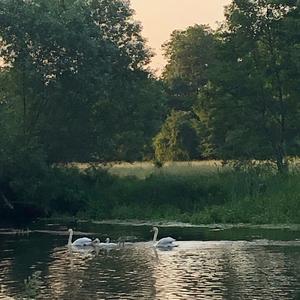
{"type": "Point", "coordinates": [255, 196]}
{"type": "Point", "coordinates": [166, 223]}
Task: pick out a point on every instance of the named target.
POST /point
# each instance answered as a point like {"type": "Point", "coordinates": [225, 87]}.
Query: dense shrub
{"type": "Point", "coordinates": [178, 138]}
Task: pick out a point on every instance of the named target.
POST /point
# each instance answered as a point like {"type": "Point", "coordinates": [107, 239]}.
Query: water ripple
{"type": "Point", "coordinates": [195, 270]}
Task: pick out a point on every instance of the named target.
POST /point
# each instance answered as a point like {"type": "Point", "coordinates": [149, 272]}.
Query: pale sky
{"type": "Point", "coordinates": [160, 17]}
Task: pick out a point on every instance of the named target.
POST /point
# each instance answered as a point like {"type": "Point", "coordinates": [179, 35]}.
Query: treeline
{"type": "Point", "coordinates": [235, 92]}
{"type": "Point", "coordinates": [76, 87]}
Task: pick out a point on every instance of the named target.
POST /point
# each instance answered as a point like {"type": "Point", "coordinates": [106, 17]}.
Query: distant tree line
{"type": "Point", "coordinates": [238, 87]}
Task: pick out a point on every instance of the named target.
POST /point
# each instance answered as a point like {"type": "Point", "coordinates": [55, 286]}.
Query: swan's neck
{"type": "Point", "coordinates": [155, 235]}
{"type": "Point", "coordinates": [70, 238]}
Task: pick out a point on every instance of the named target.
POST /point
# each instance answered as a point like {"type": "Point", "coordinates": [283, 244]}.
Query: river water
{"type": "Point", "coordinates": [209, 263]}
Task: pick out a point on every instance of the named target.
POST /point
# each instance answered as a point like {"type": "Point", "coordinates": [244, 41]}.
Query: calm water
{"type": "Point", "coordinates": [208, 264]}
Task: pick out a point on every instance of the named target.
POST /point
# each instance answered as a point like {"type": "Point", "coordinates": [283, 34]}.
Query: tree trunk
{"type": "Point", "coordinates": [281, 160]}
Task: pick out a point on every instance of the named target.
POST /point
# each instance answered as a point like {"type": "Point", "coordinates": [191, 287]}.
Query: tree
{"type": "Point", "coordinates": [178, 139]}
{"type": "Point", "coordinates": [125, 132]}
{"type": "Point", "coordinates": [74, 70]}
{"type": "Point", "coordinates": [189, 54]}
{"type": "Point", "coordinates": [251, 104]}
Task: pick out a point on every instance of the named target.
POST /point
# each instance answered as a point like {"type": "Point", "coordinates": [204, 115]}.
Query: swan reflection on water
{"type": "Point", "coordinates": [88, 251]}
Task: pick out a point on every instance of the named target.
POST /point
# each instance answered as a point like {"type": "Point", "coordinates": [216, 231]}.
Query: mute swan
{"type": "Point", "coordinates": [82, 242]}
{"type": "Point", "coordinates": [108, 244]}
{"type": "Point", "coordinates": [164, 243]}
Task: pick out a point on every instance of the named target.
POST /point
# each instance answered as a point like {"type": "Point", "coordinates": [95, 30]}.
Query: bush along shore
{"type": "Point", "coordinates": [251, 196]}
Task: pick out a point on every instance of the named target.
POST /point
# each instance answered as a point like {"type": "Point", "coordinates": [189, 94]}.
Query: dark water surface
{"type": "Point", "coordinates": [210, 263]}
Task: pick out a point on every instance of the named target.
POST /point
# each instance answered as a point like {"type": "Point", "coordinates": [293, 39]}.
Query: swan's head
{"type": "Point", "coordinates": [96, 241]}
{"type": "Point", "coordinates": [154, 229]}
{"type": "Point", "coordinates": [70, 230]}
{"type": "Point", "coordinates": [107, 240]}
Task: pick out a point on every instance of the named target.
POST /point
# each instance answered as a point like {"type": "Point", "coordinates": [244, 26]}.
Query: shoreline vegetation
{"type": "Point", "coordinates": [170, 223]}
{"type": "Point", "coordinates": [187, 192]}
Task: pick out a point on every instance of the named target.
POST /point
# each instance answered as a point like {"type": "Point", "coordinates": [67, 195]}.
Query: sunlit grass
{"type": "Point", "coordinates": [143, 170]}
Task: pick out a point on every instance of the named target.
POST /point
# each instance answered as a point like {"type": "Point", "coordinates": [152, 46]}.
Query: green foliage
{"type": "Point", "coordinates": [74, 88]}
{"type": "Point", "coordinates": [255, 195]}
{"type": "Point", "coordinates": [250, 105]}
{"type": "Point", "coordinates": [23, 166]}
{"type": "Point", "coordinates": [125, 132]}
{"type": "Point", "coordinates": [178, 138]}
{"type": "Point", "coordinates": [241, 82]}
{"type": "Point", "coordinates": [189, 54]}
{"type": "Point", "coordinates": [255, 198]}
{"type": "Point", "coordinates": [76, 78]}
{"type": "Point", "coordinates": [157, 196]}
{"type": "Point", "coordinates": [252, 195]}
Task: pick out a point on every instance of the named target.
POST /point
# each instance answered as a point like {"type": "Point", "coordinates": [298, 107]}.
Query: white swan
{"type": "Point", "coordinates": [164, 243]}
{"type": "Point", "coordinates": [108, 244]}
{"type": "Point", "coordinates": [82, 242]}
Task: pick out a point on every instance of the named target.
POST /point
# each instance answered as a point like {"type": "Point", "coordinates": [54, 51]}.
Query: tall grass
{"type": "Point", "coordinates": [272, 199]}
{"type": "Point", "coordinates": [200, 196]}
{"type": "Point", "coordinates": [183, 192]}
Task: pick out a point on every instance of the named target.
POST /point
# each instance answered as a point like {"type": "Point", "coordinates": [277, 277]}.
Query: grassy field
{"type": "Point", "coordinates": [144, 169]}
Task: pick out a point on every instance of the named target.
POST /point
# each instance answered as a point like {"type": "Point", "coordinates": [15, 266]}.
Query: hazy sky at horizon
{"type": "Point", "coordinates": [160, 17]}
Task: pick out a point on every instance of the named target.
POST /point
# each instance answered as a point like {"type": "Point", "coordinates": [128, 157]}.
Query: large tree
{"type": "Point", "coordinates": [76, 77]}
{"type": "Point", "coordinates": [252, 98]}
{"type": "Point", "coordinates": [189, 54]}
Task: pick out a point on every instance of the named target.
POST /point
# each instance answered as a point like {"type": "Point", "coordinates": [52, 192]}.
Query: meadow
{"type": "Point", "coordinates": [143, 170]}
